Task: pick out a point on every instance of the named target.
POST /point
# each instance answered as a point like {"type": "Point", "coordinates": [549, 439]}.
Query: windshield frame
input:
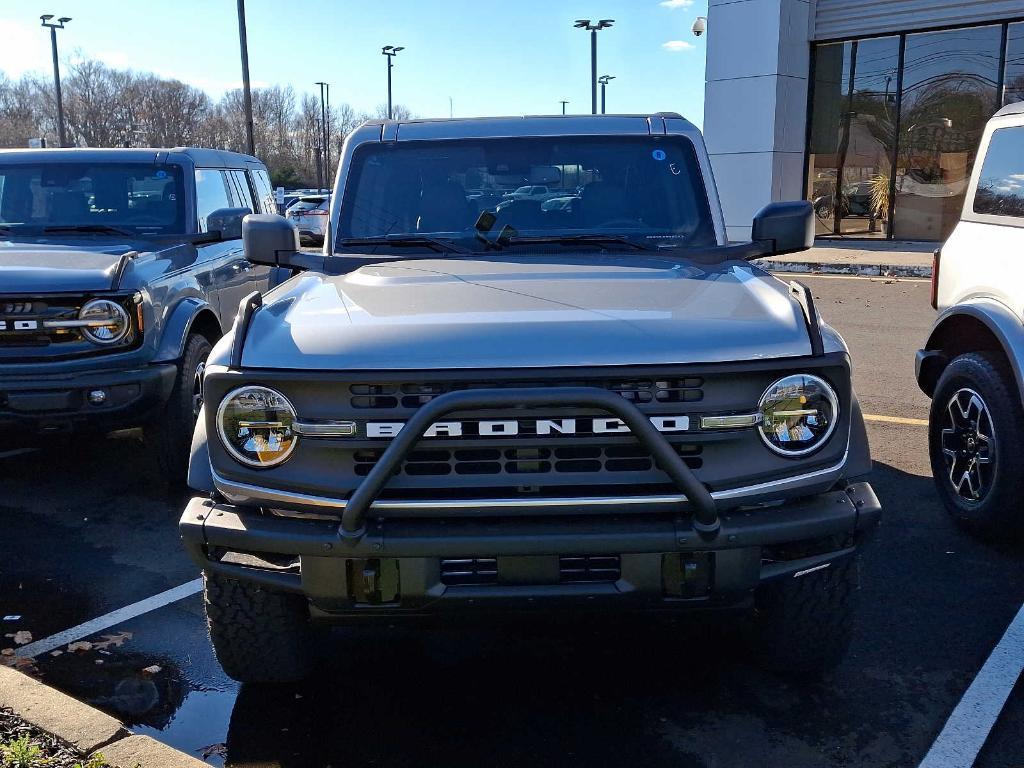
{"type": "Point", "coordinates": [708, 223]}
{"type": "Point", "coordinates": [174, 172]}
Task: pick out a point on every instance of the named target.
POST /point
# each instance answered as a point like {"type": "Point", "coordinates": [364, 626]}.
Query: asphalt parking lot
{"type": "Point", "coordinates": [89, 528]}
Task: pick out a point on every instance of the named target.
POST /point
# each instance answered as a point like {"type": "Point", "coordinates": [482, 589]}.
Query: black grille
{"type": "Point", "coordinates": [413, 395]}
{"type": "Point", "coordinates": [470, 571]}
{"type": "Point", "coordinates": [589, 569]}
{"type": "Point", "coordinates": [624, 457]}
{"type": "Point", "coordinates": [25, 309]}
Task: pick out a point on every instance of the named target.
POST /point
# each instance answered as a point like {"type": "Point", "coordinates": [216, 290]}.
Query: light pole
{"type": "Point", "coordinates": [604, 80]}
{"type": "Point", "coordinates": [62, 138]}
{"type": "Point", "coordinates": [593, 29]}
{"type": "Point", "coordinates": [390, 51]}
{"type": "Point", "coordinates": [243, 42]}
{"type": "Point", "coordinates": [564, 102]}
{"type": "Point", "coordinates": [324, 132]}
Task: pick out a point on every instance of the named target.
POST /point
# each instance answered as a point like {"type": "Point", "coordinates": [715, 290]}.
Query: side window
{"type": "Point", "coordinates": [264, 191]}
{"type": "Point", "coordinates": [243, 195]}
{"type": "Point", "coordinates": [211, 194]}
{"type": "Point", "coordinates": [1001, 183]}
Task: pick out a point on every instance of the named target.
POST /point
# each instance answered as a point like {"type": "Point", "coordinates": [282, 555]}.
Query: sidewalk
{"type": "Point", "coordinates": [889, 258]}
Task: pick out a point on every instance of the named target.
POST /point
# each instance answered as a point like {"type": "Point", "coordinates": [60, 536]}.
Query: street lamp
{"type": "Point", "coordinates": [53, 26]}
{"type": "Point", "coordinates": [243, 44]}
{"type": "Point", "coordinates": [390, 51]}
{"type": "Point", "coordinates": [593, 30]}
{"type": "Point", "coordinates": [564, 102]}
{"type": "Point", "coordinates": [604, 80]}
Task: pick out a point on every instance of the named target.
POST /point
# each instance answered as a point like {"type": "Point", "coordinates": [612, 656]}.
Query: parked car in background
{"type": "Point", "coordinates": [972, 365]}
{"type": "Point", "coordinates": [309, 216]}
{"type": "Point", "coordinates": [119, 271]}
{"type": "Point", "coordinates": [461, 415]}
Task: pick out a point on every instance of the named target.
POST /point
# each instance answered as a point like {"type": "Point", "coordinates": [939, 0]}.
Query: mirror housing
{"type": "Point", "coordinates": [227, 221]}
{"type": "Point", "coordinates": [785, 227]}
{"type": "Point", "coordinates": [269, 239]}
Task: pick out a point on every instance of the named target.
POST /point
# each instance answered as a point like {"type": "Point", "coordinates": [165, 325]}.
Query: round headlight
{"type": "Point", "coordinates": [255, 425]}
{"type": "Point", "coordinates": [106, 321]}
{"type": "Point", "coordinates": [798, 414]}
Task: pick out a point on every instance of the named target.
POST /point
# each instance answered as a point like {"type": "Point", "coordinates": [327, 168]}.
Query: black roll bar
{"type": "Point", "coordinates": [705, 514]}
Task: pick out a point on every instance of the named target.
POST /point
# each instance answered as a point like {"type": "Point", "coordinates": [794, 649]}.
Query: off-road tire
{"type": "Point", "coordinates": [802, 625]}
{"type": "Point", "coordinates": [171, 433]}
{"type": "Point", "coordinates": [999, 511]}
{"type": "Point", "coordinates": [259, 636]}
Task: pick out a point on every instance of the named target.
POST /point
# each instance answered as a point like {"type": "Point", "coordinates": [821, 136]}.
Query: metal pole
{"type": "Point", "coordinates": [389, 87]}
{"type": "Point", "coordinates": [603, 86]}
{"type": "Point", "coordinates": [564, 102]}
{"type": "Point", "coordinates": [593, 71]}
{"type": "Point", "coordinates": [323, 136]}
{"type": "Point", "coordinates": [62, 138]}
{"type": "Point", "coordinates": [327, 135]}
{"type": "Point", "coordinates": [246, 90]}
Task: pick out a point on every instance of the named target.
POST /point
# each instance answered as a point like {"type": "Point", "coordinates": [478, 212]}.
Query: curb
{"type": "Point", "coordinates": [840, 268]}
{"type": "Point", "coordinates": [84, 727]}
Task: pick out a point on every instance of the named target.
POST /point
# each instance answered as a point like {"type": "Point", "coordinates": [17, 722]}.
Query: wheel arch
{"type": "Point", "coordinates": [192, 315]}
{"type": "Point", "coordinates": [978, 326]}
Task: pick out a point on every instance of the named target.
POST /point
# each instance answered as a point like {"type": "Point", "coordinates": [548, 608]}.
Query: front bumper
{"type": "Point", "coordinates": [398, 567]}
{"type": "Point", "coordinates": [59, 403]}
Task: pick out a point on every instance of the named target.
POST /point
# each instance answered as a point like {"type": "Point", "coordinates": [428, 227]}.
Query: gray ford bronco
{"type": "Point", "coordinates": [119, 270]}
{"type": "Point", "coordinates": [479, 404]}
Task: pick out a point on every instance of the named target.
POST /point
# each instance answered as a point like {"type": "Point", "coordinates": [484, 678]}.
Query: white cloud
{"type": "Point", "coordinates": [677, 45]}
{"type": "Point", "coordinates": [676, 3]}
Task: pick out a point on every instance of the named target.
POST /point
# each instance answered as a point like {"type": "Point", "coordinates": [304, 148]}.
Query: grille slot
{"type": "Point", "coordinates": [526, 460]}
{"type": "Point", "coordinates": [688, 389]}
{"type": "Point", "coordinates": [477, 571]}
{"type": "Point", "coordinates": [589, 569]}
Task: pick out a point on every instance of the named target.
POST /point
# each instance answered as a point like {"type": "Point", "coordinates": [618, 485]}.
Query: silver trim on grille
{"type": "Point", "coordinates": [245, 493]}
{"type": "Point", "coordinates": [324, 428]}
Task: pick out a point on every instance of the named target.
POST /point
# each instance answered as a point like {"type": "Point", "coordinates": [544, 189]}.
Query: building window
{"type": "Point", "coordinates": [852, 137]}
{"type": "Point", "coordinates": [890, 150]}
{"type": "Point", "coordinates": [950, 82]}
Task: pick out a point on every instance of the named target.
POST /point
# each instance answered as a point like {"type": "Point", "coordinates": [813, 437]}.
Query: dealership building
{"type": "Point", "coordinates": [872, 109]}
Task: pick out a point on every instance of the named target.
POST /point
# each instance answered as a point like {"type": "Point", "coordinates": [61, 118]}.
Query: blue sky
{"type": "Point", "coordinates": [492, 57]}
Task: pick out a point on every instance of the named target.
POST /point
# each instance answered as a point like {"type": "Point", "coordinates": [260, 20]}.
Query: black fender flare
{"type": "Point", "coordinates": [171, 345]}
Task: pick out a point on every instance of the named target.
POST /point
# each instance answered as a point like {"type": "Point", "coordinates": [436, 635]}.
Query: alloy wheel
{"type": "Point", "coordinates": [197, 390]}
{"type": "Point", "coordinates": [968, 445]}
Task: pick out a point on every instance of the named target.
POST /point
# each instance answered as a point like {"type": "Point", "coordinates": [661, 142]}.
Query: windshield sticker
{"type": "Point", "coordinates": [659, 155]}
{"type": "Point", "coordinates": [161, 174]}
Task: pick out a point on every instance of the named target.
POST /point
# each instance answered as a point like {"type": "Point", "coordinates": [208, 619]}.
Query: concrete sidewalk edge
{"type": "Point", "coordinates": [83, 727]}
{"type": "Point", "coordinates": [846, 268]}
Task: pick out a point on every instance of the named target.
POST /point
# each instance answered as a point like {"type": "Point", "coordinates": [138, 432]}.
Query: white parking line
{"type": "Point", "coordinates": [872, 278]}
{"type": "Point", "coordinates": [967, 728]}
{"type": "Point", "coordinates": [111, 619]}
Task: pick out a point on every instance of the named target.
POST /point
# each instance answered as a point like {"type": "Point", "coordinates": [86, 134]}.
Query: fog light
{"type": "Point", "coordinates": [97, 397]}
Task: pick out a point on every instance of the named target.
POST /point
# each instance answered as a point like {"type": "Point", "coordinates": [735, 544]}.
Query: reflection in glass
{"type": "Point", "coordinates": [1013, 77]}
{"type": "Point", "coordinates": [853, 129]}
{"type": "Point", "coordinates": [949, 92]}
{"type": "Point", "coordinates": [1001, 183]}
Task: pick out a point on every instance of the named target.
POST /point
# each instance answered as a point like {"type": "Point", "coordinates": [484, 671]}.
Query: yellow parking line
{"type": "Point", "coordinates": [896, 420]}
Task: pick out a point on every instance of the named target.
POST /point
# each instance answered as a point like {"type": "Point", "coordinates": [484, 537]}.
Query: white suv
{"type": "Point", "coordinates": [971, 364]}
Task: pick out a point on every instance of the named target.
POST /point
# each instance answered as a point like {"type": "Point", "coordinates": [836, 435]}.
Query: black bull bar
{"type": "Point", "coordinates": [699, 499]}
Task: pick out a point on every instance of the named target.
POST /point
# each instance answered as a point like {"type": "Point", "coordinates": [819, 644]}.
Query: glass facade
{"type": "Point", "coordinates": [895, 124]}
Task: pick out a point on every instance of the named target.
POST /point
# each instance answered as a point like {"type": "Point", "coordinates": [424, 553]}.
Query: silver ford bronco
{"type": "Point", "coordinates": [475, 402]}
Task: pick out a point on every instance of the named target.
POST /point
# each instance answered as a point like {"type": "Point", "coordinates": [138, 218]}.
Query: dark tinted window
{"type": "Point", "coordinates": [211, 194]}
{"type": "Point", "coordinates": [264, 191]}
{"type": "Point", "coordinates": [644, 187]}
{"type": "Point", "coordinates": [243, 195]}
{"type": "Point", "coordinates": [145, 197]}
{"type": "Point", "coordinates": [1001, 183]}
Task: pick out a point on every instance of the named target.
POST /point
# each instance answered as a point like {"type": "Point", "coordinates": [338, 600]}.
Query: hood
{"type": "Point", "coordinates": [532, 312]}
{"type": "Point", "coordinates": [27, 268]}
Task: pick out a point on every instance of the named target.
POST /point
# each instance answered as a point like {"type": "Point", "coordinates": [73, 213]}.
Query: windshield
{"type": "Point", "coordinates": [644, 188]}
{"type": "Point", "coordinates": [144, 198]}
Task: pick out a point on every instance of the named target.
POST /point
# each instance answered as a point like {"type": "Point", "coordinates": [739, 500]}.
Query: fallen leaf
{"type": "Point", "coordinates": [81, 645]}
{"type": "Point", "coordinates": [22, 637]}
{"type": "Point", "coordinates": [152, 670]}
{"type": "Point", "coordinates": [56, 653]}
{"type": "Point", "coordinates": [220, 750]}
{"type": "Point", "coordinates": [116, 640]}
{"type": "Point", "coordinates": [7, 652]}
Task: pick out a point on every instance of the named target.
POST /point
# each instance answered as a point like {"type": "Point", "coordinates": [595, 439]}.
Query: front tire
{"type": "Point", "coordinates": [975, 434]}
{"type": "Point", "coordinates": [802, 625]}
{"type": "Point", "coordinates": [259, 636]}
{"type": "Point", "coordinates": [171, 436]}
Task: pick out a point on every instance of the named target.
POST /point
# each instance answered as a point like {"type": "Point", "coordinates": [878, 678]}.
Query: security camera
{"type": "Point", "coordinates": [700, 25]}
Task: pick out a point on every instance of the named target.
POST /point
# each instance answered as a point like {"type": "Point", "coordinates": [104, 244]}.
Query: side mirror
{"type": "Point", "coordinates": [272, 240]}
{"type": "Point", "coordinates": [785, 227]}
{"type": "Point", "coordinates": [227, 221]}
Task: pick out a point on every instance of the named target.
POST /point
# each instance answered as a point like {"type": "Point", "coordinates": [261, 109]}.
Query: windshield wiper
{"type": "Point", "coordinates": [578, 240]}
{"type": "Point", "coordinates": [407, 241]}
{"type": "Point", "coordinates": [97, 228]}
